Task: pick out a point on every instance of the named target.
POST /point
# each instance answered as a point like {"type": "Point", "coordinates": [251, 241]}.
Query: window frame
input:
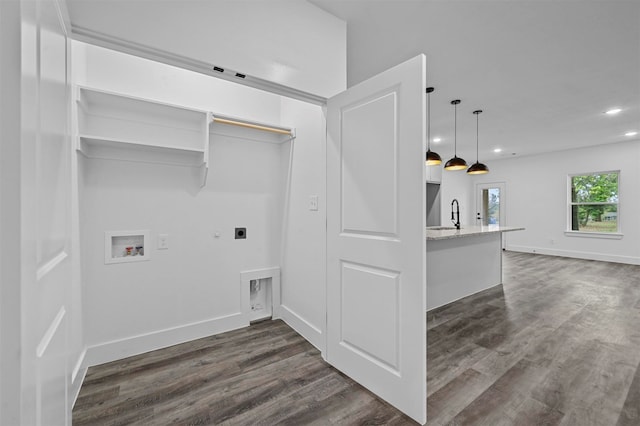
{"type": "Point", "coordinates": [570, 203]}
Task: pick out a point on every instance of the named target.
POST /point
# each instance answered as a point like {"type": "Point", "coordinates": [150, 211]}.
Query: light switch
{"type": "Point", "coordinates": [313, 202]}
{"type": "Point", "coordinates": [163, 241]}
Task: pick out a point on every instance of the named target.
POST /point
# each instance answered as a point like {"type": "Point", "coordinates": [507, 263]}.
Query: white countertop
{"type": "Point", "coordinates": [433, 233]}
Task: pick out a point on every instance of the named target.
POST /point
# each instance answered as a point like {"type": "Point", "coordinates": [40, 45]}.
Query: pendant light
{"type": "Point", "coordinates": [456, 163]}
{"type": "Point", "coordinates": [432, 158]}
{"type": "Point", "coordinates": [477, 168]}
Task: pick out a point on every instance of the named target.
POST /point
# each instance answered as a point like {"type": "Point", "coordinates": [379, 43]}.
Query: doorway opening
{"type": "Point", "coordinates": [490, 204]}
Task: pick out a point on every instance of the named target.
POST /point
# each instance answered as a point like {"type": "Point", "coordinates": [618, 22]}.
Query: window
{"type": "Point", "coordinates": [593, 202]}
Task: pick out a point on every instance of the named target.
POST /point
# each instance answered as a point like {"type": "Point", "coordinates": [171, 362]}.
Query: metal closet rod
{"type": "Point", "coordinates": [252, 126]}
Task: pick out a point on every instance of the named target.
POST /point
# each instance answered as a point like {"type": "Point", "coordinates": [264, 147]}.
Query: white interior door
{"type": "Point", "coordinates": [376, 252]}
{"type": "Point", "coordinates": [45, 217]}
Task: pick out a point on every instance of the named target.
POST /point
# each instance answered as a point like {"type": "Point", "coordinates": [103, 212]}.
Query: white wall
{"type": "Point", "coordinates": [537, 199]}
{"type": "Point", "coordinates": [456, 184]}
{"type": "Point", "coordinates": [290, 43]}
{"type": "Point", "coordinates": [304, 243]}
{"type": "Point", "coordinates": [195, 284]}
{"type": "Point", "coordinates": [114, 71]}
{"type": "Point", "coordinates": [193, 288]}
{"type": "Point", "coordinates": [536, 194]}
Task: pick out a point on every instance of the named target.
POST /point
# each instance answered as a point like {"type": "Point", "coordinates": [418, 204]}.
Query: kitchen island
{"type": "Point", "coordinates": [461, 262]}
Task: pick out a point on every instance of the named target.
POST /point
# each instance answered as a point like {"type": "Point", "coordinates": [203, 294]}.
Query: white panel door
{"type": "Point", "coordinates": [376, 252]}
{"type": "Point", "coordinates": [45, 216]}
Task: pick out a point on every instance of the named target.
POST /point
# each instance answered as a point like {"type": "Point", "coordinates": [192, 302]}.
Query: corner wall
{"type": "Point", "coordinates": [303, 301]}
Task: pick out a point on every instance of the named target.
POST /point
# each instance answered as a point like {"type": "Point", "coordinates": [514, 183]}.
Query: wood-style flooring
{"type": "Point", "coordinates": [557, 344]}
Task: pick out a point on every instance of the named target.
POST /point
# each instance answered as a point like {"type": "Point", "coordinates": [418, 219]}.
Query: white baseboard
{"type": "Point", "coordinates": [77, 377]}
{"type": "Point", "coordinates": [313, 334]}
{"type": "Point", "coordinates": [135, 345]}
{"type": "Point", "coordinates": [604, 257]}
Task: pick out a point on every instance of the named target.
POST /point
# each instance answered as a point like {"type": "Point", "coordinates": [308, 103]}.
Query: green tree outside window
{"type": "Point", "coordinates": [594, 202]}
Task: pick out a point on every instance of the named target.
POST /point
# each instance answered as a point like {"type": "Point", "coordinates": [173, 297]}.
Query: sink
{"type": "Point", "coordinates": [441, 228]}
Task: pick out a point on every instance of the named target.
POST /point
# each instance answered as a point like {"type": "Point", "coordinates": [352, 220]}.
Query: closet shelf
{"type": "Point", "coordinates": [109, 148]}
{"type": "Point", "coordinates": [121, 127]}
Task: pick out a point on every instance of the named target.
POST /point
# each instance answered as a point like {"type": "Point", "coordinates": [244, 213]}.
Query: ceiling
{"type": "Point", "coordinates": [543, 72]}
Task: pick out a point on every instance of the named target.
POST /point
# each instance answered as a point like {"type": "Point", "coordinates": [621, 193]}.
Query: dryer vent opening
{"type": "Point", "coordinates": [260, 299]}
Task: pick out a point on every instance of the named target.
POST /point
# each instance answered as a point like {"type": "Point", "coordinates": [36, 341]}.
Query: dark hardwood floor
{"type": "Point", "coordinates": [557, 344]}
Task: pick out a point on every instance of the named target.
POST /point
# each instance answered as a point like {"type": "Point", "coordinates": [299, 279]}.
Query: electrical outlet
{"type": "Point", "coordinates": [241, 233]}
{"type": "Point", "coordinates": [313, 202]}
{"type": "Point", "coordinates": [163, 241]}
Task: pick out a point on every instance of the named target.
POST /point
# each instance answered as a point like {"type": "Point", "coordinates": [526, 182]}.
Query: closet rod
{"type": "Point", "coordinates": [252, 126]}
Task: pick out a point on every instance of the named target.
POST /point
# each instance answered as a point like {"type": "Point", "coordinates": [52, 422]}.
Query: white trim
{"type": "Point", "coordinates": [603, 257]}
{"type": "Point", "coordinates": [135, 345]}
{"type": "Point", "coordinates": [74, 390]}
{"type": "Point", "coordinates": [63, 15]}
{"type": "Point", "coordinates": [121, 45]}
{"type": "Point", "coordinates": [50, 265]}
{"type": "Point", "coordinates": [584, 234]}
{"type": "Point", "coordinates": [599, 172]}
{"type": "Point", "coordinates": [303, 327]}
{"type": "Point", "coordinates": [48, 335]}
{"type": "Point", "coordinates": [76, 369]}
{"type": "Point", "coordinates": [77, 377]}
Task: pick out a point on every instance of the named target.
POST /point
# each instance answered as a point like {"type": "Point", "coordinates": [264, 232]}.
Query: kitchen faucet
{"type": "Point", "coordinates": [455, 215]}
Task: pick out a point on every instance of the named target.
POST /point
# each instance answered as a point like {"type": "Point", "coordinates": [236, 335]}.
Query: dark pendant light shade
{"type": "Point", "coordinates": [432, 158]}
{"type": "Point", "coordinates": [477, 168]}
{"type": "Point", "coordinates": [456, 163]}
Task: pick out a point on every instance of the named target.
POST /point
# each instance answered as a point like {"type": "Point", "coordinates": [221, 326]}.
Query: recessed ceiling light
{"type": "Point", "coordinates": [631, 133]}
{"type": "Point", "coordinates": [436, 140]}
{"type": "Point", "coordinates": [613, 111]}
{"type": "Point", "coordinates": [497, 150]}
